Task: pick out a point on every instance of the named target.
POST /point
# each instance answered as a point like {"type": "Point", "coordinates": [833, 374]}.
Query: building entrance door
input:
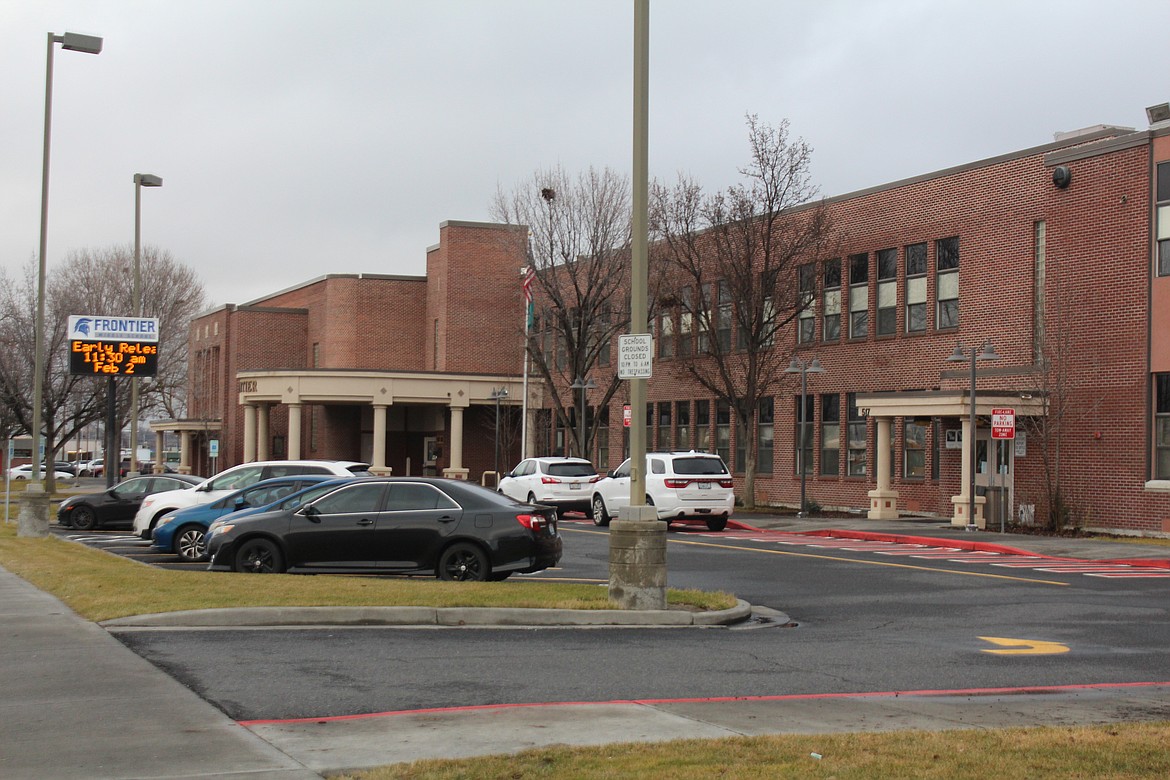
{"type": "Point", "coordinates": [994, 477]}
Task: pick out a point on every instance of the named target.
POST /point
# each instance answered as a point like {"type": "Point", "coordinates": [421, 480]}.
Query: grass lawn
{"type": "Point", "coordinates": [1110, 752]}
{"type": "Point", "coordinates": [100, 586]}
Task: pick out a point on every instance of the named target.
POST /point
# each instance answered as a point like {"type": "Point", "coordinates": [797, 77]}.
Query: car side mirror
{"type": "Point", "coordinates": [313, 513]}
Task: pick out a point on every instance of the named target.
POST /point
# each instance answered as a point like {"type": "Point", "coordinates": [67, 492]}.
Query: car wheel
{"type": "Point", "coordinates": [532, 498]}
{"type": "Point", "coordinates": [83, 518]}
{"type": "Point", "coordinates": [464, 562]}
{"type": "Point", "coordinates": [600, 516]}
{"type": "Point", "coordinates": [190, 543]}
{"type": "Point", "coordinates": [716, 523]}
{"type": "Point", "coordinates": [258, 556]}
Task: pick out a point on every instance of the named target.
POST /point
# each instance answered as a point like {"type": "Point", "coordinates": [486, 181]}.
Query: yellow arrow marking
{"type": "Point", "coordinates": [1024, 646]}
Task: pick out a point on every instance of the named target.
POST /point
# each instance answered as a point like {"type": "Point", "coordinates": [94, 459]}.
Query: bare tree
{"type": "Point", "coordinates": [91, 282]}
{"type": "Point", "coordinates": [738, 253]}
{"type": "Point", "coordinates": [579, 252]}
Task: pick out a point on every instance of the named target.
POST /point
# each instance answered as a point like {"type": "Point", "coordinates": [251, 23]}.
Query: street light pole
{"type": "Point", "coordinates": [582, 385]}
{"type": "Point", "coordinates": [498, 393]}
{"type": "Point", "coordinates": [804, 369]}
{"type": "Point", "coordinates": [87, 44]}
{"type": "Point", "coordinates": [958, 356]}
{"type": "Point", "coordinates": [140, 180]}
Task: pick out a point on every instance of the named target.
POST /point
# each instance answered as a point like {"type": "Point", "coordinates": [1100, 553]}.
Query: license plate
{"type": "Point", "coordinates": [574, 486]}
{"type": "Point", "coordinates": [704, 486]}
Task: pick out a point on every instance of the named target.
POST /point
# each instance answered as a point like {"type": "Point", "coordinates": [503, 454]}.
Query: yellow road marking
{"type": "Point", "coordinates": [1024, 646]}
{"type": "Point", "coordinates": [854, 560]}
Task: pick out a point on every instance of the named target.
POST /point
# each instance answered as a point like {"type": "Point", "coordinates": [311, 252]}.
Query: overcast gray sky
{"type": "Point", "coordinates": [303, 137]}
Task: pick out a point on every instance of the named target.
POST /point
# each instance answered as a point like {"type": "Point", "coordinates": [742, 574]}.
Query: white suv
{"type": "Point", "coordinates": [230, 480]}
{"type": "Point", "coordinates": [564, 483]}
{"type": "Point", "coordinates": [678, 485]}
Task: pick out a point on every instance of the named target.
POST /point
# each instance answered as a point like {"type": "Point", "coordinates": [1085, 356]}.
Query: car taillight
{"type": "Point", "coordinates": [534, 523]}
{"type": "Point", "coordinates": [596, 478]}
{"type": "Point", "coordinates": [549, 481]}
{"type": "Point", "coordinates": [726, 483]}
{"type": "Point", "coordinates": [676, 483]}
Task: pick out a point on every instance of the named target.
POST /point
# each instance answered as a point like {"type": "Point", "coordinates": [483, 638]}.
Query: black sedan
{"type": "Point", "coordinates": [450, 529]}
{"type": "Point", "coordinates": [118, 505]}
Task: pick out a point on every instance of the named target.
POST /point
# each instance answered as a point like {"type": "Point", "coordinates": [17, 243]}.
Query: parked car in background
{"type": "Point", "coordinates": [117, 505]}
{"type": "Point", "coordinates": [679, 485]}
{"type": "Point", "coordinates": [564, 483]}
{"type": "Point", "coordinates": [25, 472]}
{"type": "Point", "coordinates": [450, 529]}
{"type": "Point", "coordinates": [232, 479]}
{"type": "Point", "coordinates": [182, 532]}
{"type": "Point", "coordinates": [91, 468]}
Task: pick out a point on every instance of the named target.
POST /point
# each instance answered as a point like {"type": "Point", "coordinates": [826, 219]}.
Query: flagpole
{"type": "Point", "coordinates": [527, 298]}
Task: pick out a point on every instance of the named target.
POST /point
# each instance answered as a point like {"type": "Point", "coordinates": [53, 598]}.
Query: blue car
{"type": "Point", "coordinates": [183, 532]}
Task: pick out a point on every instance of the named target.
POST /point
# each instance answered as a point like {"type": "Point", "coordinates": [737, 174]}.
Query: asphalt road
{"type": "Point", "coordinates": [865, 621]}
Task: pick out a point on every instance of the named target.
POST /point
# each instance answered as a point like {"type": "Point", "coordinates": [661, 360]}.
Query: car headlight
{"type": "Point", "coordinates": [165, 520]}
{"type": "Point", "coordinates": [219, 527]}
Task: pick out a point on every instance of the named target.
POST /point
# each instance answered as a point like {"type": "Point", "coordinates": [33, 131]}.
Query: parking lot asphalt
{"type": "Point", "coordinates": [79, 704]}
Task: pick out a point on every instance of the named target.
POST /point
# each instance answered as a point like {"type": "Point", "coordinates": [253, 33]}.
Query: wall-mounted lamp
{"type": "Point", "coordinates": [1158, 113]}
{"type": "Point", "coordinates": [1061, 176]}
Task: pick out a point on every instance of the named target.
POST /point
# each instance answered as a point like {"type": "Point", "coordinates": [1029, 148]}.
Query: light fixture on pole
{"type": "Point", "coordinates": [959, 356]}
{"type": "Point", "coordinates": [498, 394]}
{"type": "Point", "coordinates": [87, 44]}
{"type": "Point", "coordinates": [140, 180]}
{"type": "Point", "coordinates": [804, 369]}
{"type": "Point", "coordinates": [582, 385]}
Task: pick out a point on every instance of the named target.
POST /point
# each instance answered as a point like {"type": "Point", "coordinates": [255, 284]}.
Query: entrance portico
{"type": "Point", "coordinates": [441, 400]}
{"type": "Point", "coordinates": [936, 404]}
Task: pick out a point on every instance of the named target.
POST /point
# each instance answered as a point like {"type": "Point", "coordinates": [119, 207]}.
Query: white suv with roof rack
{"type": "Point", "coordinates": [564, 483]}
{"type": "Point", "coordinates": [679, 485]}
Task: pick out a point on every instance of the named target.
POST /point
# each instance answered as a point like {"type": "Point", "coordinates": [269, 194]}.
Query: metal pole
{"type": "Point", "coordinates": [132, 468]}
{"type": "Point", "coordinates": [803, 424]}
{"type": "Point", "coordinates": [39, 353]}
{"type": "Point", "coordinates": [971, 488]}
{"type": "Point", "coordinates": [639, 283]}
{"type": "Point", "coordinates": [496, 465]}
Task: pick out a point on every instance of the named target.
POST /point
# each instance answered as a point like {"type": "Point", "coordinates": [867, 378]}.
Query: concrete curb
{"type": "Point", "coordinates": [270, 617]}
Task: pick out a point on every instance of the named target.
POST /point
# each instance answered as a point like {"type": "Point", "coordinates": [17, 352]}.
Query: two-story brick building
{"type": "Point", "coordinates": [1049, 254]}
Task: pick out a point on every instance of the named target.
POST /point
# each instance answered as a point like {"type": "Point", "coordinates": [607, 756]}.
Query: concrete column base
{"type": "Point", "coordinates": [883, 504]}
{"type": "Point", "coordinates": [637, 559]}
{"type": "Point", "coordinates": [960, 517]}
{"type": "Point", "coordinates": [33, 519]}
{"type": "Point", "coordinates": [381, 471]}
{"type": "Point", "coordinates": [456, 473]}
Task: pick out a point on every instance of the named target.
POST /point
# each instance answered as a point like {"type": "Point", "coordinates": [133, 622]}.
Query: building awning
{"type": "Point", "coordinates": [950, 403]}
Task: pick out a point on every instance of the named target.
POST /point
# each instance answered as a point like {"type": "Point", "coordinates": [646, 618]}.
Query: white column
{"type": "Point", "coordinates": [159, 456]}
{"type": "Point", "coordinates": [883, 502]}
{"type": "Point", "coordinates": [249, 433]}
{"type": "Point", "coordinates": [184, 452]}
{"type": "Point", "coordinates": [456, 470]}
{"type": "Point", "coordinates": [262, 435]}
{"type": "Point", "coordinates": [294, 431]}
{"type": "Point", "coordinates": [961, 501]}
{"type": "Point", "coordinates": [378, 456]}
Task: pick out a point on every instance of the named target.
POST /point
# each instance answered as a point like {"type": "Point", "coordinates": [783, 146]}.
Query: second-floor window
{"type": "Point", "coordinates": [916, 313]}
{"type": "Point", "coordinates": [947, 281]}
{"type": "Point", "coordinates": [858, 296]}
{"type": "Point", "coordinates": [887, 292]}
{"type": "Point", "coordinates": [831, 325]}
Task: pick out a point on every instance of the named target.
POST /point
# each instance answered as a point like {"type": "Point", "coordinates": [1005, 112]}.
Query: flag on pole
{"type": "Point", "coordinates": [527, 277]}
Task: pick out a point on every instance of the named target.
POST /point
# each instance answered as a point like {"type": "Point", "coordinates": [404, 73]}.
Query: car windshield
{"type": "Point", "coordinates": [571, 470]}
{"type": "Point", "coordinates": [699, 466]}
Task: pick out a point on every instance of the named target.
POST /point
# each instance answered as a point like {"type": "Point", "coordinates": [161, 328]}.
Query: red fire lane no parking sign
{"type": "Point", "coordinates": [1003, 423]}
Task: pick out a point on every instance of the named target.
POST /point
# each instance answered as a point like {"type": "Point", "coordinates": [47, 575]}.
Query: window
{"type": "Point", "coordinates": [682, 420]}
{"type": "Point", "coordinates": [603, 349]}
{"type": "Point", "coordinates": [831, 324]}
{"type": "Point", "coordinates": [723, 317]}
{"type": "Point", "coordinates": [1162, 426]}
{"type": "Point", "coordinates": [723, 430]}
{"type": "Point", "coordinates": [741, 440]}
{"type": "Point", "coordinates": [1164, 219]}
{"type": "Point", "coordinates": [666, 335]}
{"type": "Point", "coordinates": [947, 281]}
{"type": "Point", "coordinates": [1039, 291]}
{"type": "Point", "coordinates": [830, 435]}
{"type": "Point", "coordinates": [704, 320]}
{"type": "Point", "coordinates": [858, 296]}
{"type": "Point", "coordinates": [914, 449]}
{"type": "Point", "coordinates": [858, 439]}
{"type": "Point", "coordinates": [915, 288]}
{"type": "Point", "coordinates": [765, 433]}
{"type": "Point", "coordinates": [352, 498]}
{"type": "Point", "coordinates": [806, 301]}
{"type": "Point", "coordinates": [686, 319]}
{"type": "Point", "coordinates": [804, 434]}
{"type": "Point", "coordinates": [703, 426]}
{"type": "Point", "coordinates": [887, 292]}
{"type": "Point", "coordinates": [663, 443]}
{"type": "Point", "coordinates": [602, 442]}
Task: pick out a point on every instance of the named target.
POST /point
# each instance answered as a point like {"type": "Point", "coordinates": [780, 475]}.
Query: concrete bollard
{"type": "Point", "coordinates": [33, 519]}
{"type": "Point", "coordinates": [637, 559]}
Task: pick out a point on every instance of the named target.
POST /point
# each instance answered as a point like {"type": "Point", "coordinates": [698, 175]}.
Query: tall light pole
{"type": "Point", "coordinates": [87, 44]}
{"type": "Point", "coordinates": [804, 369]}
{"type": "Point", "coordinates": [959, 356]}
{"type": "Point", "coordinates": [498, 394]}
{"type": "Point", "coordinates": [582, 385]}
{"type": "Point", "coordinates": [140, 180]}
